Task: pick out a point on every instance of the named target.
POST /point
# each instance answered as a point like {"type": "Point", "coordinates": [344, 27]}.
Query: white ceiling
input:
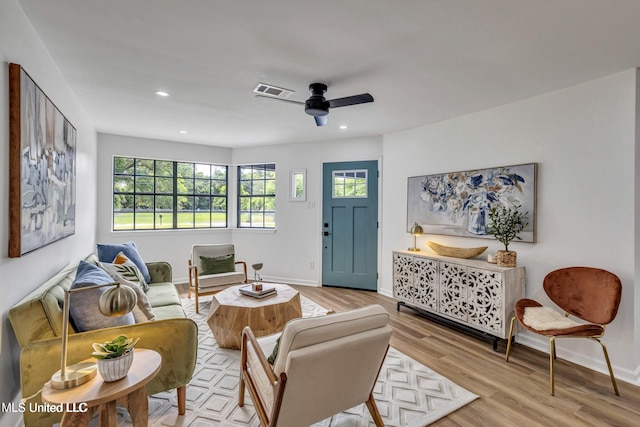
{"type": "Point", "coordinates": [422, 60]}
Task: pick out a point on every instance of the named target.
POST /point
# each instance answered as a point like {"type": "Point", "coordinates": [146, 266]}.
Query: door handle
{"type": "Point", "coordinates": [326, 233]}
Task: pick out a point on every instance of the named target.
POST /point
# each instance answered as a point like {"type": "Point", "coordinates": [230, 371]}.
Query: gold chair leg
{"type": "Point", "coordinates": [606, 358]}
{"type": "Point", "coordinates": [552, 356]}
{"type": "Point", "coordinates": [513, 319]}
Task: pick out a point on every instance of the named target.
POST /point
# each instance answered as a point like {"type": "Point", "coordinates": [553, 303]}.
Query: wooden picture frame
{"type": "Point", "coordinates": [42, 167]}
{"type": "Point", "coordinates": [458, 203]}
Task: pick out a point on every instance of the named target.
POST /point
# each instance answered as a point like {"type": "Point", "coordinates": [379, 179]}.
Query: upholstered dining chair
{"type": "Point", "coordinates": [590, 294]}
{"type": "Point", "coordinates": [212, 268]}
{"type": "Point", "coordinates": [324, 365]}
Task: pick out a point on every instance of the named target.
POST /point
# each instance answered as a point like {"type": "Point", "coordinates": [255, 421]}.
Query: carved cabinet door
{"type": "Point", "coordinates": [485, 299]}
{"type": "Point", "coordinates": [425, 283]}
{"type": "Point", "coordinates": [403, 277]}
{"type": "Point", "coordinates": [453, 290]}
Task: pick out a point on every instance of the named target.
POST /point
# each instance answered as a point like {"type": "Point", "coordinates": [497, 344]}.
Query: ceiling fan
{"type": "Point", "coordinates": [318, 107]}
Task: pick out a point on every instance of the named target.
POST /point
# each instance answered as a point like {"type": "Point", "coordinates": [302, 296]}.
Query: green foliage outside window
{"type": "Point", "coordinates": [160, 194]}
{"type": "Point", "coordinates": [257, 196]}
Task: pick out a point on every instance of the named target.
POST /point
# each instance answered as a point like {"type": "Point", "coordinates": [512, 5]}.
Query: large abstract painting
{"type": "Point", "coordinates": [458, 203]}
{"type": "Point", "coordinates": [42, 167]}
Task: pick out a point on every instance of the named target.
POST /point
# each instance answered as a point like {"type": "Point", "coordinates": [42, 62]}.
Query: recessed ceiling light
{"type": "Point", "coordinates": [343, 126]}
{"type": "Point", "coordinates": [183, 131]}
{"type": "Point", "coordinates": [162, 93]}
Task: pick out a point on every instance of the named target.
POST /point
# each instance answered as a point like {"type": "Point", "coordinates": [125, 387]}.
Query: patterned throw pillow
{"type": "Point", "coordinates": [127, 269]}
{"type": "Point", "coordinates": [108, 253]}
{"type": "Point", "coordinates": [217, 265]}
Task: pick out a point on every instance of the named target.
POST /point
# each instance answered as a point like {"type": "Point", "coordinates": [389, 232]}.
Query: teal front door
{"type": "Point", "coordinates": [350, 225]}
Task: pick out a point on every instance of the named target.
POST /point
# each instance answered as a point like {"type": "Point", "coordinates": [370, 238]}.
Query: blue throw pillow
{"type": "Point", "coordinates": [107, 253]}
{"type": "Point", "coordinates": [83, 305]}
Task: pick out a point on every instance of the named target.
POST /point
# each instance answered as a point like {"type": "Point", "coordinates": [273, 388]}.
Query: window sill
{"type": "Point", "coordinates": [254, 230]}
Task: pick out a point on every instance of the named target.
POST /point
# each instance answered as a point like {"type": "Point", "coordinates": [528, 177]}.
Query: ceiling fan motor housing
{"type": "Point", "coordinates": [317, 105]}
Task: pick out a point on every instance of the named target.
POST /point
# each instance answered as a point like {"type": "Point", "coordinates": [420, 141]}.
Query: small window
{"type": "Point", "coordinates": [257, 196]}
{"type": "Point", "coordinates": [350, 184]}
{"type": "Point", "coordinates": [298, 185]}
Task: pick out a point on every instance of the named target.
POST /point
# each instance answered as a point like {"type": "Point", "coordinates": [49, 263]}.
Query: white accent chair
{"type": "Point", "coordinates": [324, 366]}
{"type": "Point", "coordinates": [210, 284]}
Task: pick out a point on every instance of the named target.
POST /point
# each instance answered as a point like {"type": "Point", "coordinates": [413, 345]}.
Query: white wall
{"type": "Point", "coordinates": [20, 44]}
{"type": "Point", "coordinates": [172, 246]}
{"type": "Point", "coordinates": [583, 139]}
{"type": "Point", "coordinates": [290, 253]}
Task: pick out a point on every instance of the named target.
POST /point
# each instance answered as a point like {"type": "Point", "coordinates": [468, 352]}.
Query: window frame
{"type": "Point", "coordinates": [252, 199]}
{"type": "Point", "coordinates": [297, 190]}
{"type": "Point", "coordinates": [153, 177]}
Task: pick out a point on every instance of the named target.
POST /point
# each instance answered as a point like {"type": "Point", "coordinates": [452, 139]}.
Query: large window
{"type": "Point", "coordinates": [257, 196]}
{"type": "Point", "coordinates": [158, 194]}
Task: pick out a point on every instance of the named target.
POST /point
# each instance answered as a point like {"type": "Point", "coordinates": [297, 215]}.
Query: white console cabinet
{"type": "Point", "coordinates": [470, 293]}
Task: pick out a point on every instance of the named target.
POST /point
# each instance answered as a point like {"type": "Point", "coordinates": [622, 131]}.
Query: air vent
{"type": "Point", "coordinates": [273, 91]}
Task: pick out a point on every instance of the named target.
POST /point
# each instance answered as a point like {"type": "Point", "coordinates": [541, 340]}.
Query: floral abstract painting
{"type": "Point", "coordinates": [458, 203]}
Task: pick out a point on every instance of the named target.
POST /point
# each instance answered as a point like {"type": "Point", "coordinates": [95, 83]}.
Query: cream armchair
{"type": "Point", "coordinates": [324, 366]}
{"type": "Point", "coordinates": [208, 284]}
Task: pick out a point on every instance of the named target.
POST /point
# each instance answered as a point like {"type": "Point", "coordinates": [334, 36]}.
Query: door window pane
{"type": "Point", "coordinates": [350, 184]}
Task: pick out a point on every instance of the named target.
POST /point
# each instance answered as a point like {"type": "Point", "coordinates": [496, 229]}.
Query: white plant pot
{"type": "Point", "coordinates": [115, 369]}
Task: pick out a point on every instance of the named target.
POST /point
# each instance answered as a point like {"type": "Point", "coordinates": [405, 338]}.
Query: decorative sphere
{"type": "Point", "coordinates": [117, 301]}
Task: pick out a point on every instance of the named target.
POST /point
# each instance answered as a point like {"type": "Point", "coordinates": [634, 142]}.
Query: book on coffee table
{"type": "Point", "coordinates": [265, 292]}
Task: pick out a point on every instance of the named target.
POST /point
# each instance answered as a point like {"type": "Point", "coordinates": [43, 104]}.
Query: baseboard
{"type": "Point", "coordinates": [623, 374]}
{"type": "Point", "coordinates": [274, 279]}
{"type": "Point", "coordinates": [290, 281]}
{"type": "Point", "coordinates": [386, 293]}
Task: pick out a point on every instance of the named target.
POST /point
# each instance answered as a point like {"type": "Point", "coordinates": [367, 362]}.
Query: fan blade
{"type": "Point", "coordinates": [280, 99]}
{"type": "Point", "coordinates": [321, 120]}
{"type": "Point", "coordinates": [350, 100]}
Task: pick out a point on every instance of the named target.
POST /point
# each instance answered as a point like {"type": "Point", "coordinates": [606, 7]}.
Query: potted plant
{"type": "Point", "coordinates": [507, 223]}
{"type": "Point", "coordinates": [114, 357]}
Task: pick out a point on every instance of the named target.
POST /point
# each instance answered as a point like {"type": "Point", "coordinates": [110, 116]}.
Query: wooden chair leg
{"type": "Point", "coordinates": [513, 319]}
{"type": "Point", "coordinates": [241, 391]}
{"type": "Point", "coordinates": [197, 308]}
{"type": "Point", "coordinates": [375, 414]}
{"type": "Point", "coordinates": [182, 399]}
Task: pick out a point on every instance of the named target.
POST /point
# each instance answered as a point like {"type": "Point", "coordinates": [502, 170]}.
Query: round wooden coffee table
{"type": "Point", "coordinates": [231, 311]}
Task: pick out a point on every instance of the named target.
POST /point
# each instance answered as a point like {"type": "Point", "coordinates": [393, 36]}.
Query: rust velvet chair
{"type": "Point", "coordinates": [590, 294]}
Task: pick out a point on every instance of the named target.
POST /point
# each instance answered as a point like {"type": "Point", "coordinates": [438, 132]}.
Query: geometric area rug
{"type": "Point", "coordinates": [407, 393]}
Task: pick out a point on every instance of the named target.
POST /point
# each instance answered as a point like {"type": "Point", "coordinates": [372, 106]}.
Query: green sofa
{"type": "Point", "coordinates": [37, 323]}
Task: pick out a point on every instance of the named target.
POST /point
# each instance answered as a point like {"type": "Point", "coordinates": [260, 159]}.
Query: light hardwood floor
{"type": "Point", "coordinates": [511, 394]}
